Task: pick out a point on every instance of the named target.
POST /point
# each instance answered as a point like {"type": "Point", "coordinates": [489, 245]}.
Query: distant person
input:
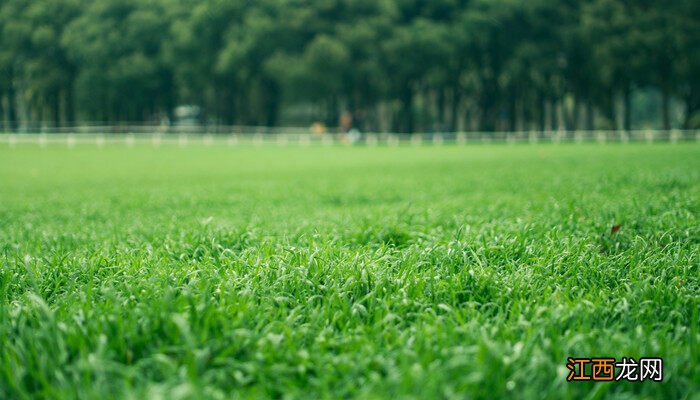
{"type": "Point", "coordinates": [318, 128]}
{"type": "Point", "coordinates": [345, 122]}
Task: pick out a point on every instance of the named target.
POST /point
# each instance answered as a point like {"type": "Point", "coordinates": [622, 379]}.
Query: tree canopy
{"type": "Point", "coordinates": [401, 65]}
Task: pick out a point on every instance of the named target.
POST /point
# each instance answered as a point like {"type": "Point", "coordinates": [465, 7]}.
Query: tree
{"type": "Point", "coordinates": [34, 60]}
{"type": "Point", "coordinates": [407, 65]}
{"type": "Point", "coordinates": [123, 76]}
{"type": "Point", "coordinates": [411, 53]}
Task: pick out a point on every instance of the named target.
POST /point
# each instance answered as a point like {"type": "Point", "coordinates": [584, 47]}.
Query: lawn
{"type": "Point", "coordinates": [336, 272]}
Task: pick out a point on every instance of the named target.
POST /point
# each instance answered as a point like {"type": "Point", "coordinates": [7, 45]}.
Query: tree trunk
{"type": "Point", "coordinates": [512, 113]}
{"type": "Point", "coordinates": [488, 109]}
{"type": "Point", "coordinates": [56, 109]}
{"type": "Point", "coordinates": [527, 114]}
{"type": "Point", "coordinates": [627, 98]}
{"type": "Point", "coordinates": [590, 115]}
{"type": "Point", "coordinates": [70, 106]}
{"type": "Point", "coordinates": [406, 115]}
{"type": "Point", "coordinates": [553, 115]}
{"type": "Point", "coordinates": [232, 108]}
{"type": "Point", "coordinates": [573, 116]}
{"type": "Point", "coordinates": [331, 118]}
{"type": "Point", "coordinates": [11, 109]}
{"type": "Point", "coordinates": [610, 110]}
{"type": "Point", "coordinates": [665, 109]}
{"type": "Point", "coordinates": [105, 112]}
{"type": "Point", "coordinates": [272, 97]}
{"type": "Point", "coordinates": [454, 109]}
{"type": "Point", "coordinates": [441, 108]}
{"type": "Point", "coordinates": [3, 117]}
{"type": "Point", "coordinates": [541, 112]}
{"type": "Point", "coordinates": [228, 106]}
{"type": "Point", "coordinates": [520, 114]}
{"type": "Point", "coordinates": [691, 107]}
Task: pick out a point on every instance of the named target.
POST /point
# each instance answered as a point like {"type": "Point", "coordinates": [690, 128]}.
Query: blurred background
{"type": "Point", "coordinates": [336, 65]}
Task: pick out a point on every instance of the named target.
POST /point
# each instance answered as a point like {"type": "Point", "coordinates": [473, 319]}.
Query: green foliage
{"type": "Point", "coordinates": [495, 64]}
{"type": "Point", "coordinates": [446, 272]}
{"type": "Point", "coordinates": [117, 45]}
{"type": "Point", "coordinates": [33, 59]}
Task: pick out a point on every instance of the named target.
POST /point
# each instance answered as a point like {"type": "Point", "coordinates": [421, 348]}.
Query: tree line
{"type": "Point", "coordinates": [399, 65]}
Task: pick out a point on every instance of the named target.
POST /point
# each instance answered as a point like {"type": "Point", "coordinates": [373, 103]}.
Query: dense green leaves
{"type": "Point", "coordinates": [404, 65]}
{"type": "Point", "coordinates": [117, 46]}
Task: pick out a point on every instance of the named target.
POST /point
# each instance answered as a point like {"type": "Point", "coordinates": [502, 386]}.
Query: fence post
{"type": "Point", "coordinates": [282, 140]}
{"type": "Point", "coordinates": [371, 139]}
{"type": "Point", "coordinates": [674, 136]}
{"type": "Point", "coordinates": [232, 140]}
{"type": "Point", "coordinates": [624, 137]}
{"type": "Point", "coordinates": [555, 137]}
{"type": "Point", "coordinates": [601, 137]}
{"type": "Point", "coordinates": [532, 137]}
{"type": "Point", "coordinates": [327, 140]}
{"type": "Point", "coordinates": [417, 139]}
{"type": "Point", "coordinates": [393, 140]}
{"type": "Point", "coordinates": [461, 138]}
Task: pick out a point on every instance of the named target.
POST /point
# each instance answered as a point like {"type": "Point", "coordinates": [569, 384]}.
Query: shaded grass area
{"type": "Point", "coordinates": [446, 272]}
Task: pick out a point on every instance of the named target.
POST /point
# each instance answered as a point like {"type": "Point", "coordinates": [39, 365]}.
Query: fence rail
{"type": "Point", "coordinates": [153, 128]}
{"type": "Point", "coordinates": [302, 137]}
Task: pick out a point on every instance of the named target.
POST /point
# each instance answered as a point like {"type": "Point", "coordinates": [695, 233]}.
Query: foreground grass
{"type": "Point", "coordinates": [346, 272]}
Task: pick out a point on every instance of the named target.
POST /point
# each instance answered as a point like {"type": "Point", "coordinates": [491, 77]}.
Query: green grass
{"type": "Point", "coordinates": [446, 272]}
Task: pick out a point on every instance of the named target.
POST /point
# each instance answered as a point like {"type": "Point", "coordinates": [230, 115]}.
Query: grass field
{"type": "Point", "coordinates": [412, 272]}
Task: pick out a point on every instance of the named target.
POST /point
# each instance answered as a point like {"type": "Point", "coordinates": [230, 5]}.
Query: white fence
{"type": "Point", "coordinates": [298, 137]}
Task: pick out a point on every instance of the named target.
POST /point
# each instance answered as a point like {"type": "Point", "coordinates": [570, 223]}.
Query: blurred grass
{"type": "Point", "coordinates": [425, 272]}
